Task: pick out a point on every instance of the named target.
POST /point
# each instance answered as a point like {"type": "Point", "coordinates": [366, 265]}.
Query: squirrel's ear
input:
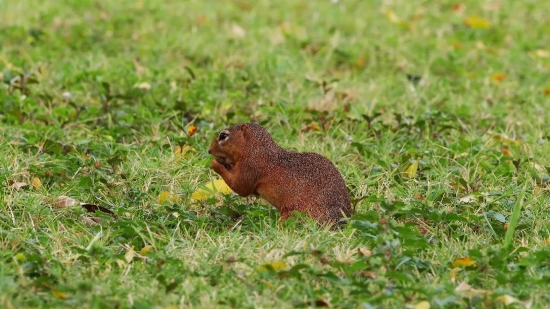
{"type": "Point", "coordinates": [244, 128]}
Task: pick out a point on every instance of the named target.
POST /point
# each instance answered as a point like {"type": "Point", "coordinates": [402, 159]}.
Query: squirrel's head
{"type": "Point", "coordinates": [229, 144]}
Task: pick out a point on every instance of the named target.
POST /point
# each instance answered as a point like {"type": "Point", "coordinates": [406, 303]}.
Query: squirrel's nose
{"type": "Point", "coordinates": [209, 151]}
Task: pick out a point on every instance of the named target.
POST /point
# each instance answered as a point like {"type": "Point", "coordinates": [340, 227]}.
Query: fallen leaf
{"type": "Point", "coordinates": [201, 20]}
{"type": "Point", "coordinates": [542, 53]}
{"type": "Point", "coordinates": [144, 86]}
{"type": "Point", "coordinates": [146, 249]}
{"type": "Point", "coordinates": [506, 151]}
{"type": "Point", "coordinates": [89, 221]}
{"type": "Point", "coordinates": [237, 31]}
{"type": "Point", "coordinates": [93, 208]}
{"type": "Point", "coordinates": [65, 201]}
{"type": "Point", "coordinates": [458, 8]}
{"type": "Point", "coordinates": [497, 77]}
{"type": "Point", "coordinates": [476, 22]}
{"type": "Point", "coordinates": [166, 196]}
{"type": "Point", "coordinates": [211, 188]}
{"type": "Point", "coordinates": [411, 170]}
{"type": "Point", "coordinates": [364, 252]}
{"type": "Point", "coordinates": [59, 295]}
{"type": "Point", "coordinates": [392, 17]}
{"type": "Point", "coordinates": [17, 185]}
{"type": "Point", "coordinates": [546, 91]}
{"type": "Point", "coordinates": [463, 262]}
{"type": "Point", "coordinates": [507, 299]}
{"type": "Point", "coordinates": [463, 287]}
{"type": "Point", "coordinates": [36, 183]}
{"type": "Point", "coordinates": [191, 130]}
{"type": "Point", "coordinates": [467, 199]}
{"type": "Point", "coordinates": [272, 265]}
{"type": "Point", "coordinates": [422, 305]}
{"type": "Point", "coordinates": [129, 255]}
{"type": "Point", "coordinates": [311, 127]}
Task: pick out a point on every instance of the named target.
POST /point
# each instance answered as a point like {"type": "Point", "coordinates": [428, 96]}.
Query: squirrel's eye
{"type": "Point", "coordinates": [223, 136]}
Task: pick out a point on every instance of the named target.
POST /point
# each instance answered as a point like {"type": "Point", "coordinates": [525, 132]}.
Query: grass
{"type": "Point", "coordinates": [96, 96]}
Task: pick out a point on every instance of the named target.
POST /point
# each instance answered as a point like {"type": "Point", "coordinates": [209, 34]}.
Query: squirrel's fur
{"type": "Point", "coordinates": [250, 162]}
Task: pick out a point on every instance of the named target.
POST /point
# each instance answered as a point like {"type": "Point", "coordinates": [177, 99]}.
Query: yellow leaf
{"type": "Point", "coordinates": [463, 262]}
{"type": "Point", "coordinates": [181, 151]}
{"type": "Point", "coordinates": [201, 20]}
{"type": "Point", "coordinates": [274, 265]}
{"type": "Point", "coordinates": [36, 183]}
{"type": "Point", "coordinates": [392, 17]}
{"type": "Point", "coordinates": [237, 31]}
{"type": "Point", "coordinates": [144, 86]}
{"type": "Point", "coordinates": [177, 151]}
{"type": "Point", "coordinates": [146, 249]}
{"type": "Point", "coordinates": [542, 53]}
{"type": "Point", "coordinates": [422, 305]}
{"type": "Point", "coordinates": [210, 189]}
{"type": "Point", "coordinates": [507, 299]}
{"type": "Point", "coordinates": [191, 130]}
{"type": "Point", "coordinates": [59, 294]}
{"type": "Point", "coordinates": [476, 22]}
{"type": "Point", "coordinates": [497, 77]}
{"type": "Point", "coordinates": [411, 170]}
{"type": "Point", "coordinates": [129, 255]}
{"type": "Point", "coordinates": [166, 196]}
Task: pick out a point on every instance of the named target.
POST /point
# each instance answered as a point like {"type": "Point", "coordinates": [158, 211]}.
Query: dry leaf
{"type": "Point", "coordinates": [546, 91]}
{"type": "Point", "coordinates": [65, 201]}
{"type": "Point", "coordinates": [274, 265]}
{"type": "Point", "coordinates": [93, 208]}
{"type": "Point", "coordinates": [507, 299]}
{"type": "Point", "coordinates": [129, 255]}
{"type": "Point", "coordinates": [468, 199]}
{"type": "Point", "coordinates": [89, 221]}
{"type": "Point", "coordinates": [542, 53]}
{"type": "Point", "coordinates": [422, 305]}
{"type": "Point", "coordinates": [146, 249]}
{"type": "Point", "coordinates": [237, 31]}
{"type": "Point", "coordinates": [463, 287]}
{"type": "Point", "coordinates": [210, 189]}
{"type": "Point", "coordinates": [144, 86]}
{"type": "Point", "coordinates": [411, 170]}
{"type": "Point", "coordinates": [191, 130]}
{"type": "Point", "coordinates": [497, 77]}
{"type": "Point", "coordinates": [59, 295]}
{"type": "Point", "coordinates": [201, 20]}
{"type": "Point", "coordinates": [506, 151]}
{"type": "Point", "coordinates": [311, 127]}
{"type": "Point", "coordinates": [463, 262]}
{"type": "Point", "coordinates": [392, 17]}
{"type": "Point", "coordinates": [476, 22]}
{"type": "Point", "coordinates": [364, 252]}
{"type": "Point", "coordinates": [17, 185]}
{"type": "Point", "coordinates": [36, 183]}
{"type": "Point", "coordinates": [458, 8]}
{"type": "Point", "coordinates": [166, 196]}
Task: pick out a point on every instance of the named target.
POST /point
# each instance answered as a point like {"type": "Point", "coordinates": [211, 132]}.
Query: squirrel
{"type": "Point", "coordinates": [251, 163]}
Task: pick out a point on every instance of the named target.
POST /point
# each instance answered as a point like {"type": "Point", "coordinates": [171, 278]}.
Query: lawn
{"type": "Point", "coordinates": [436, 113]}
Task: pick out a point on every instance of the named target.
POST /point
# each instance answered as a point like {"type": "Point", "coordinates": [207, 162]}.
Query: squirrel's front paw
{"type": "Point", "coordinates": [217, 166]}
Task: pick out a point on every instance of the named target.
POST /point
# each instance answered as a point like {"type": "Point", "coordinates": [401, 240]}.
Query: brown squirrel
{"type": "Point", "coordinates": [250, 162]}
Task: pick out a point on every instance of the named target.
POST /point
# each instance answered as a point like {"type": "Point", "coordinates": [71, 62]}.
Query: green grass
{"type": "Point", "coordinates": [96, 95]}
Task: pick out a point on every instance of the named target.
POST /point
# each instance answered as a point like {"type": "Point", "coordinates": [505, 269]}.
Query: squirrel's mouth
{"type": "Point", "coordinates": [223, 161]}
